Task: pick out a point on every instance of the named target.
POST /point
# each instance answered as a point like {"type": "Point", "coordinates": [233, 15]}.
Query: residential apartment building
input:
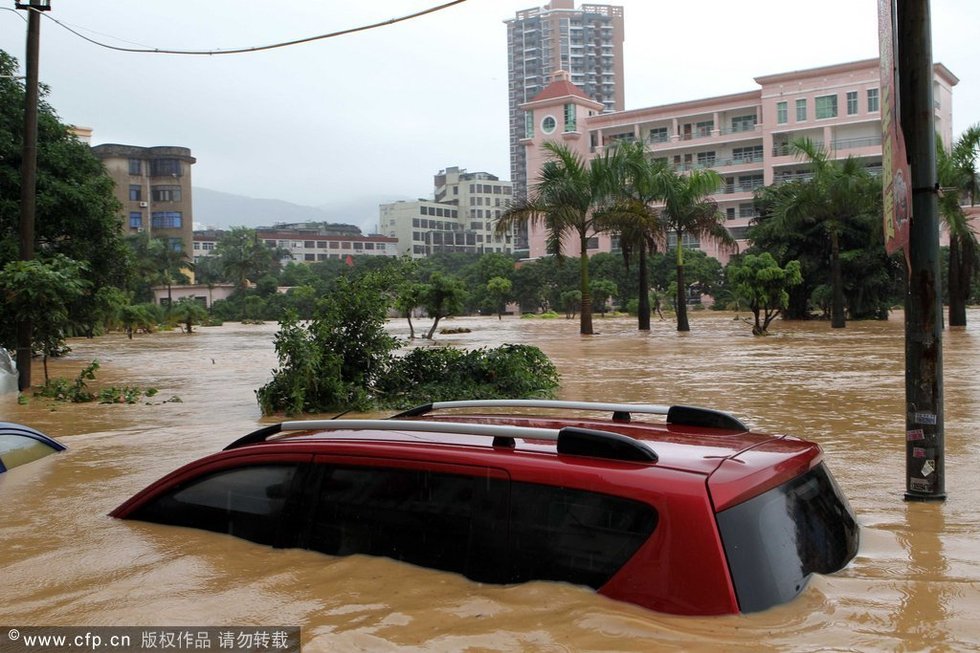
{"type": "Point", "coordinates": [153, 184]}
{"type": "Point", "coordinates": [587, 42]}
{"type": "Point", "coordinates": [307, 243]}
{"type": "Point", "coordinates": [745, 137]}
{"type": "Point", "coordinates": [461, 217]}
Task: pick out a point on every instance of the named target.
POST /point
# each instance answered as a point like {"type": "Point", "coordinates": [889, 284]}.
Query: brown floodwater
{"type": "Point", "coordinates": [914, 586]}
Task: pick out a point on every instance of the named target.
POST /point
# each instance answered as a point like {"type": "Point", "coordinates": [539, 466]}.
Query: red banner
{"type": "Point", "coordinates": [896, 176]}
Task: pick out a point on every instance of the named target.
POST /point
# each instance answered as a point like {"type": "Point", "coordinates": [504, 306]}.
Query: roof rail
{"type": "Point", "coordinates": [570, 440]}
{"type": "Point", "coordinates": [682, 415]}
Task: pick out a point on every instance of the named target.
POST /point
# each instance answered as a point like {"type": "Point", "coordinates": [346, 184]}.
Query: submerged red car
{"type": "Point", "coordinates": [696, 515]}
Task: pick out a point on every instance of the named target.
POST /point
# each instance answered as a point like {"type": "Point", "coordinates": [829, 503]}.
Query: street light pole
{"type": "Point", "coordinates": [28, 177]}
{"type": "Point", "coordinates": [925, 433]}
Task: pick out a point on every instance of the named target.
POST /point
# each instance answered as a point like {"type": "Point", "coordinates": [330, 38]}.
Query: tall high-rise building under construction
{"type": "Point", "coordinates": [587, 43]}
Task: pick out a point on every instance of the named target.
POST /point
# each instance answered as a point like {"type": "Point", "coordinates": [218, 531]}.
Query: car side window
{"type": "Point", "coordinates": [574, 535]}
{"type": "Point", "coordinates": [438, 520]}
{"type": "Point", "coordinates": [246, 502]}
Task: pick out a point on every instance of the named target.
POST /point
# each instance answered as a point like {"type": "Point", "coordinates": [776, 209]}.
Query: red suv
{"type": "Point", "coordinates": [696, 516]}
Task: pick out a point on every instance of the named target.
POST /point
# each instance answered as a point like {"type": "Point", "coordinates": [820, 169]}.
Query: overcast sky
{"type": "Point", "coordinates": [371, 116]}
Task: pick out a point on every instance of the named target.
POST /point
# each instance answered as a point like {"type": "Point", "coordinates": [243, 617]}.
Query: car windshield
{"type": "Point", "coordinates": [777, 539]}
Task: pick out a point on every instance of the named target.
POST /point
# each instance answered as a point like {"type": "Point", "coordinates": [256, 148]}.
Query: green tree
{"type": "Point", "coordinates": [571, 300]}
{"type": "Point", "coordinates": [41, 291]}
{"type": "Point", "coordinates": [336, 362]}
{"type": "Point", "coordinates": [566, 199]}
{"type": "Point", "coordinates": [77, 213]}
{"type": "Point", "coordinates": [638, 184]}
{"type": "Point", "coordinates": [442, 297]}
{"type": "Point", "coordinates": [169, 262]}
{"type": "Point", "coordinates": [602, 291]}
{"type": "Point", "coordinates": [763, 284]}
{"type": "Point", "coordinates": [838, 193]}
{"type": "Point", "coordinates": [244, 257]}
{"type": "Point", "coordinates": [688, 211]}
{"type": "Point", "coordinates": [499, 289]}
{"type": "Point", "coordinates": [959, 179]}
{"type": "Point", "coordinates": [188, 311]}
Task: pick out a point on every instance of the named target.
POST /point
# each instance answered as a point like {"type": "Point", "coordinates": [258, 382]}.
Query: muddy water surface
{"type": "Point", "coordinates": [914, 586]}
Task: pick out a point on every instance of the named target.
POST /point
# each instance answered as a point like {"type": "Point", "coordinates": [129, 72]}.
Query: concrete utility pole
{"type": "Point", "coordinates": [925, 440]}
{"type": "Point", "coordinates": [28, 176]}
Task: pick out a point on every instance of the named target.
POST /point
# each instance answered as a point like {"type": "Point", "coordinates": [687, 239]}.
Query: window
{"type": "Point", "coordinates": [872, 100]}
{"type": "Point", "coordinates": [801, 110]}
{"type": "Point", "coordinates": [309, 244]}
{"type": "Point", "coordinates": [750, 182]}
{"type": "Point", "coordinates": [573, 535]}
{"type": "Point", "coordinates": [167, 219]}
{"type": "Point", "coordinates": [135, 220]}
{"type": "Point", "coordinates": [750, 154]}
{"type": "Point", "coordinates": [548, 124]}
{"type": "Point", "coordinates": [165, 168]}
{"type": "Point", "coordinates": [309, 257]}
{"type": "Point", "coordinates": [706, 159]}
{"type": "Point", "coordinates": [135, 167]}
{"type": "Point", "coordinates": [321, 244]}
{"type": "Point", "coordinates": [437, 520]}
{"type": "Point", "coordinates": [166, 193]}
{"type": "Point", "coordinates": [528, 129]}
{"type": "Point", "coordinates": [746, 210]}
{"type": "Point", "coordinates": [658, 135]}
{"type": "Point", "coordinates": [368, 245]}
{"type": "Point", "coordinates": [825, 107]}
{"type": "Point", "coordinates": [704, 128]}
{"type": "Point", "coordinates": [782, 113]}
{"type": "Point", "coordinates": [246, 502]}
{"type": "Point", "coordinates": [135, 192]}
{"type": "Point", "coordinates": [743, 123]}
{"type": "Point", "coordinates": [358, 246]}
{"type": "Point", "coordinates": [570, 124]}
{"type": "Point", "coordinates": [335, 245]}
{"type": "Point", "coordinates": [592, 243]}
{"type": "Point", "coordinates": [852, 102]}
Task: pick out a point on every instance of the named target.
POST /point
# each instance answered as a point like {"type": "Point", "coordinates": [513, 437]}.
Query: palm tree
{"type": "Point", "coordinates": [957, 171]}
{"type": "Point", "coordinates": [566, 199]}
{"type": "Point", "coordinates": [243, 257]}
{"type": "Point", "coordinates": [636, 189]}
{"type": "Point", "coordinates": [170, 261]}
{"type": "Point", "coordinates": [689, 211]}
{"type": "Point", "coordinates": [838, 192]}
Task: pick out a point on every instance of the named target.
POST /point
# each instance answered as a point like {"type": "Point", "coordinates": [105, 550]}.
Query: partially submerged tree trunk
{"type": "Point", "coordinates": [643, 310]}
{"type": "Point", "coordinates": [836, 283]}
{"type": "Point", "coordinates": [585, 312]}
{"type": "Point", "coordinates": [960, 271]}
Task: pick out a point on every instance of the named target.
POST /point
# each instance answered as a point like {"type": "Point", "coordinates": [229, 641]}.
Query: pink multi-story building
{"type": "Point", "coordinates": [744, 137]}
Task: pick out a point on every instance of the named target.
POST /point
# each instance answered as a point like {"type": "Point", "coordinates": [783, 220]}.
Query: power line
{"type": "Point", "coordinates": [258, 48]}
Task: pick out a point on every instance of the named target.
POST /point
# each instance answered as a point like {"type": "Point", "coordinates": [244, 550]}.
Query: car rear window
{"type": "Point", "coordinates": [777, 539]}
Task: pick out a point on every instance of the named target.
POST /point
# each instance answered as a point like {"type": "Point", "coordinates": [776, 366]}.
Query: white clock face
{"type": "Point", "coordinates": [548, 124]}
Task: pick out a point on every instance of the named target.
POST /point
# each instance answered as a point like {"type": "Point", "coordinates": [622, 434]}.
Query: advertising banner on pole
{"type": "Point", "coordinates": [896, 176]}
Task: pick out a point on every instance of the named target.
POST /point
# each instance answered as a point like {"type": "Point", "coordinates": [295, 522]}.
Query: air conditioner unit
{"type": "Point", "coordinates": [143, 205]}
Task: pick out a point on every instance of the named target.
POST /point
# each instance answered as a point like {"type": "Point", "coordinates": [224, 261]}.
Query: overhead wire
{"type": "Point", "coordinates": [258, 48]}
